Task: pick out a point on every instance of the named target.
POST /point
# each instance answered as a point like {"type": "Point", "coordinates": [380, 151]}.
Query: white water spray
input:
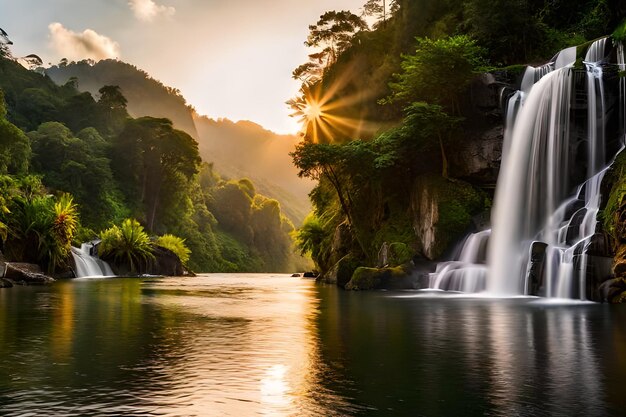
{"type": "Point", "coordinates": [88, 265]}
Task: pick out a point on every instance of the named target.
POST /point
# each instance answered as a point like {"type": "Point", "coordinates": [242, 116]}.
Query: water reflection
{"type": "Point", "coordinates": [474, 356]}
{"type": "Point", "coordinates": [277, 346]}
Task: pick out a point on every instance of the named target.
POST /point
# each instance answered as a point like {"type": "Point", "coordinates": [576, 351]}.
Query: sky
{"type": "Point", "coordinates": [229, 58]}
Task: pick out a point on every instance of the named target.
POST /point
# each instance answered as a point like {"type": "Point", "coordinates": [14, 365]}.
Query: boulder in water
{"type": "Point", "coordinates": [380, 278]}
{"type": "Point", "coordinates": [26, 274]}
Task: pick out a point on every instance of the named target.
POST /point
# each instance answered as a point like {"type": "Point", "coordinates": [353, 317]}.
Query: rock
{"type": "Point", "coordinates": [477, 157]}
{"type": "Point", "coordinates": [5, 283]}
{"type": "Point", "coordinates": [376, 278]}
{"type": "Point", "coordinates": [310, 274]}
{"type": "Point", "coordinates": [442, 211]}
{"type": "Point", "coordinates": [26, 274]}
{"type": "Point", "coordinates": [613, 291]}
{"type": "Point", "coordinates": [165, 263]}
{"type": "Point", "coordinates": [295, 275]}
{"type": "Point", "coordinates": [537, 265]}
{"type": "Point", "coordinates": [342, 242]}
{"type": "Point", "coordinates": [341, 273]}
{"type": "Point", "coordinates": [399, 254]}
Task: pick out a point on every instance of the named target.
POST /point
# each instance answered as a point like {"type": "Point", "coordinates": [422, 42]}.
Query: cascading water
{"type": "Point", "coordinates": [87, 265]}
{"type": "Point", "coordinates": [540, 166]}
{"type": "Point", "coordinates": [467, 273]}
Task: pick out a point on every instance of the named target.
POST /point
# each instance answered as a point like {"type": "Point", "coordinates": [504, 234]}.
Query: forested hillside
{"type": "Point", "coordinates": [237, 150]}
{"type": "Point", "coordinates": [75, 166]}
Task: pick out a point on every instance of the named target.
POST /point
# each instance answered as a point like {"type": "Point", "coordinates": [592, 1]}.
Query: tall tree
{"type": "Point", "coordinates": [332, 34]}
{"type": "Point", "coordinates": [156, 162]}
{"type": "Point", "coordinates": [438, 72]}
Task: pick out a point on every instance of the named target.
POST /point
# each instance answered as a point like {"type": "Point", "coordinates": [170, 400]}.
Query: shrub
{"type": "Point", "coordinates": [128, 244]}
{"type": "Point", "coordinates": [176, 245]}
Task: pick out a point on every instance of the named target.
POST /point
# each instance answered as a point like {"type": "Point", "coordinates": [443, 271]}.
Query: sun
{"type": "Point", "coordinates": [322, 112]}
{"type": "Point", "coordinates": [313, 111]}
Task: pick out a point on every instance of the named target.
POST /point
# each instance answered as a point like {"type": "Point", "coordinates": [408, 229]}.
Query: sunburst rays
{"type": "Point", "coordinates": [326, 113]}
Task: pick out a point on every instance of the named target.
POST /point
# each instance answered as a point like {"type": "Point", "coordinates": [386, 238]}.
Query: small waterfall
{"type": "Point", "coordinates": [88, 264]}
{"type": "Point", "coordinates": [468, 272]}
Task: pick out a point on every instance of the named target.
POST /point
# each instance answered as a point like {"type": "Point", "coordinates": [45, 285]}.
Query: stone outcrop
{"type": "Point", "coordinates": [165, 263]}
{"type": "Point", "coordinates": [614, 290]}
{"type": "Point", "coordinates": [398, 277]}
{"type": "Point", "coordinates": [442, 213]}
{"type": "Point", "coordinates": [25, 274]}
{"type": "Point", "coordinates": [477, 157]}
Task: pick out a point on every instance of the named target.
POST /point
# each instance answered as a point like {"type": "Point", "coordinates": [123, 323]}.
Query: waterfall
{"type": "Point", "coordinates": [89, 265]}
{"type": "Point", "coordinates": [544, 215]}
{"type": "Point", "coordinates": [468, 272]}
{"type": "Point", "coordinates": [532, 202]}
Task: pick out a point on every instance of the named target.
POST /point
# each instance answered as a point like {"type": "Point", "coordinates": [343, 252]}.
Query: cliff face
{"type": "Point", "coordinates": [613, 226]}
{"type": "Point", "coordinates": [442, 213]}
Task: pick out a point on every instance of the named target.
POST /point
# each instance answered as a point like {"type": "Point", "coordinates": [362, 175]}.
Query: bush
{"type": "Point", "coordinates": [128, 244]}
{"type": "Point", "coordinates": [176, 245]}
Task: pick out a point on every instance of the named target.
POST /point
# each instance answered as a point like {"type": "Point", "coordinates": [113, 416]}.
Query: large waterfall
{"type": "Point", "coordinates": [555, 155]}
{"type": "Point", "coordinates": [89, 265]}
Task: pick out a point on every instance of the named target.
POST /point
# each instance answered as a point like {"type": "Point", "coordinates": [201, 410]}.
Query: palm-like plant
{"type": "Point", "coordinates": [128, 244]}
{"type": "Point", "coordinates": [176, 245]}
{"type": "Point", "coordinates": [40, 229]}
{"type": "Point", "coordinates": [64, 227]}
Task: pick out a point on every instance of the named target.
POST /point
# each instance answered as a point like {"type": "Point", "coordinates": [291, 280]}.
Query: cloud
{"type": "Point", "coordinates": [148, 10]}
{"type": "Point", "coordinates": [78, 46]}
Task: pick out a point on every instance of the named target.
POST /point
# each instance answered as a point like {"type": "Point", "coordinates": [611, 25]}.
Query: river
{"type": "Point", "coordinates": [273, 345]}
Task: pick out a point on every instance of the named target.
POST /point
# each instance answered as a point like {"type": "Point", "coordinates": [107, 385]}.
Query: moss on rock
{"type": "Point", "coordinates": [342, 271]}
{"type": "Point", "coordinates": [443, 211]}
{"type": "Point", "coordinates": [375, 278]}
{"type": "Point", "coordinates": [399, 253]}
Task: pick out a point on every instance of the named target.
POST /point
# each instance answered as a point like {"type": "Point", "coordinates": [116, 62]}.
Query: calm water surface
{"type": "Point", "coordinates": [272, 345]}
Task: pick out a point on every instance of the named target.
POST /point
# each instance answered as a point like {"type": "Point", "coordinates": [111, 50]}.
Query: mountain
{"type": "Point", "coordinates": [237, 149]}
{"type": "Point", "coordinates": [245, 149]}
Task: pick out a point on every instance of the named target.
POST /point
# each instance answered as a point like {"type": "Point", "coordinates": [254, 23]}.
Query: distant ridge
{"type": "Point", "coordinates": [237, 149]}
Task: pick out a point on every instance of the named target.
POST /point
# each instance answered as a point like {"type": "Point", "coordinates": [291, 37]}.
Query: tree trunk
{"type": "Point", "coordinates": [444, 159]}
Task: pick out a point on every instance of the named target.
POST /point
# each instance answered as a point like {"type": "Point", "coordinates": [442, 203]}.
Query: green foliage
{"type": "Point", "coordinates": [36, 228]}
{"type": "Point", "coordinates": [309, 236]}
{"type": "Point", "coordinates": [127, 244]}
{"type": "Point", "coordinates": [156, 164]}
{"type": "Point", "coordinates": [15, 149]}
{"type": "Point", "coordinates": [78, 165]}
{"type": "Point", "coordinates": [438, 71]}
{"type": "Point", "coordinates": [176, 245]}
{"type": "Point", "coordinates": [399, 253]}
{"type": "Point", "coordinates": [374, 278]}
{"type": "Point", "coordinates": [619, 34]}
{"type": "Point", "coordinates": [64, 228]}
{"type": "Point", "coordinates": [457, 202]}
{"type": "Point", "coordinates": [616, 178]}
{"type": "Point", "coordinates": [237, 256]}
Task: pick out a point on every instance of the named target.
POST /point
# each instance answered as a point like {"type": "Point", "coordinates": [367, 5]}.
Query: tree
{"type": "Point", "coordinates": [156, 164]}
{"type": "Point", "coordinates": [379, 9]}
{"type": "Point", "coordinates": [506, 28]}
{"type": "Point", "coordinates": [112, 104]}
{"type": "Point", "coordinates": [345, 167]}
{"type": "Point", "coordinates": [15, 148]}
{"type": "Point", "coordinates": [4, 44]}
{"type": "Point", "coordinates": [424, 125]}
{"type": "Point", "coordinates": [438, 71]}
{"type": "Point", "coordinates": [78, 165]}
{"type": "Point", "coordinates": [332, 34]}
